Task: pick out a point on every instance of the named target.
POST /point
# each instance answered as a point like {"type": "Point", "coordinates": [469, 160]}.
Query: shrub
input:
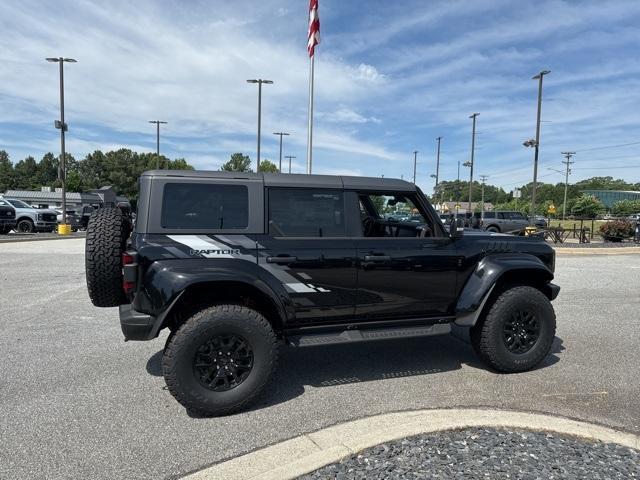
{"type": "Point", "coordinates": [616, 230]}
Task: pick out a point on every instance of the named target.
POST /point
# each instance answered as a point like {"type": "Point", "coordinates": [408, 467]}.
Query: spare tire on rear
{"type": "Point", "coordinates": [107, 234]}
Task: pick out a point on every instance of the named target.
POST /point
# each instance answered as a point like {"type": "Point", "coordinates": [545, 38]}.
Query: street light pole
{"type": "Point", "coordinates": [63, 128]}
{"type": "Point", "coordinates": [281, 134]}
{"type": "Point", "coordinates": [538, 77]}
{"type": "Point", "coordinates": [473, 147]}
{"type": "Point", "coordinates": [289, 157]}
{"type": "Point", "coordinates": [438, 162]}
{"type": "Point", "coordinates": [259, 81]}
{"type": "Point", "coordinates": [157, 123]}
{"type": "Point", "coordinates": [415, 161]}
{"type": "Point", "coordinates": [568, 163]}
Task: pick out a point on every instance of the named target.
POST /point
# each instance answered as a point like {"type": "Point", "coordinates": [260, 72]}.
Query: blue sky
{"type": "Point", "coordinates": [390, 78]}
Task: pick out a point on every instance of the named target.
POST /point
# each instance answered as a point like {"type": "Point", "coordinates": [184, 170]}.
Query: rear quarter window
{"type": "Point", "coordinates": [204, 206]}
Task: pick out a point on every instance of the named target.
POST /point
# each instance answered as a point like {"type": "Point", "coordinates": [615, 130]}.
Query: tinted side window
{"type": "Point", "coordinates": [306, 213]}
{"type": "Point", "coordinates": [502, 215]}
{"type": "Point", "coordinates": [205, 206]}
{"type": "Point", "coordinates": [489, 215]}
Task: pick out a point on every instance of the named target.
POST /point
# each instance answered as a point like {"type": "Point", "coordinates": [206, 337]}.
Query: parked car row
{"type": "Point", "coordinates": [499, 221]}
{"type": "Point", "coordinates": [21, 217]}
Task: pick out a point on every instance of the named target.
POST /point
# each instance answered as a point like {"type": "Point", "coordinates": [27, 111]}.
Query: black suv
{"type": "Point", "coordinates": [236, 264]}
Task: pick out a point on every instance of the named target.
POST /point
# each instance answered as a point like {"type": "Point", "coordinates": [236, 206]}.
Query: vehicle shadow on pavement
{"type": "Point", "coordinates": [364, 362]}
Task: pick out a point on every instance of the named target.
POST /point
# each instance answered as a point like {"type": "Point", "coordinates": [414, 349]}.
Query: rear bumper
{"type": "Point", "coordinates": [136, 325]}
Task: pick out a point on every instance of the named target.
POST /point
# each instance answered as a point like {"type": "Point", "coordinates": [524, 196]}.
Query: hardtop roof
{"type": "Point", "coordinates": [295, 179]}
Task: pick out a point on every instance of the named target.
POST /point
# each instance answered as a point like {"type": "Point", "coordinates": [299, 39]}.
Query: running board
{"type": "Point", "coordinates": [351, 336]}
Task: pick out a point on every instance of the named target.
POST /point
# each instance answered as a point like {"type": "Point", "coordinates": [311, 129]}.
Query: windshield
{"type": "Point", "coordinates": [19, 204]}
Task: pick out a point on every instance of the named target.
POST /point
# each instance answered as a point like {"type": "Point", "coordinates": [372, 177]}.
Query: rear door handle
{"type": "Point", "coordinates": [377, 258]}
{"type": "Point", "coordinates": [282, 260]}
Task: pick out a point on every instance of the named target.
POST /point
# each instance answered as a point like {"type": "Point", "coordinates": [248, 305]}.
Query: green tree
{"type": "Point", "coordinates": [237, 163]}
{"type": "Point", "coordinates": [26, 172]}
{"type": "Point", "coordinates": [268, 167]}
{"type": "Point", "coordinates": [626, 207]}
{"type": "Point", "coordinates": [7, 173]}
{"type": "Point", "coordinates": [47, 170]}
{"type": "Point", "coordinates": [587, 206]}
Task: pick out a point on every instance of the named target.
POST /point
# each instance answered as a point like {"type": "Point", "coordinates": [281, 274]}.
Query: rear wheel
{"type": "Point", "coordinates": [5, 230]}
{"type": "Point", "coordinates": [107, 235]}
{"type": "Point", "coordinates": [517, 332]}
{"type": "Point", "coordinates": [493, 228]}
{"type": "Point", "coordinates": [220, 359]}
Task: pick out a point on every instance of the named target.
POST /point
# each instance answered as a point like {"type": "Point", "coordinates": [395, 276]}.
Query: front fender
{"type": "Point", "coordinates": [484, 278]}
{"type": "Point", "coordinates": [165, 280]}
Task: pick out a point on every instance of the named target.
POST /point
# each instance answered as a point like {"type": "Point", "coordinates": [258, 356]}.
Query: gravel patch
{"type": "Point", "coordinates": [486, 453]}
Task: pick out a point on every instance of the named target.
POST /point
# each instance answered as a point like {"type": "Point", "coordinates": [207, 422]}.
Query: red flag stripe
{"type": "Point", "coordinates": [313, 35]}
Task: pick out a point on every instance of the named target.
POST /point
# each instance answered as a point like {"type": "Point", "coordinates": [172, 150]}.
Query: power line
{"type": "Point", "coordinates": [608, 146]}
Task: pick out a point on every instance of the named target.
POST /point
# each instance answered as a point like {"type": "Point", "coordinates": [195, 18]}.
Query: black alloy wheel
{"type": "Point", "coordinates": [25, 226]}
{"type": "Point", "coordinates": [521, 331]}
{"type": "Point", "coordinates": [223, 362]}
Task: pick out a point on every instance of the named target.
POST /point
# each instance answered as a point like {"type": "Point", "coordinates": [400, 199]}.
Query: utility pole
{"type": "Point", "coordinates": [157, 122]}
{"type": "Point", "coordinates": [415, 161]}
{"type": "Point", "coordinates": [281, 134]}
{"type": "Point", "coordinates": [438, 162]}
{"type": "Point", "coordinates": [484, 180]}
{"type": "Point", "coordinates": [259, 81]}
{"type": "Point", "coordinates": [568, 163]}
{"type": "Point", "coordinates": [536, 145]}
{"type": "Point", "coordinates": [473, 147]}
{"type": "Point", "coordinates": [458, 190]}
{"type": "Point", "coordinates": [63, 128]}
{"type": "Point", "coordinates": [289, 157]}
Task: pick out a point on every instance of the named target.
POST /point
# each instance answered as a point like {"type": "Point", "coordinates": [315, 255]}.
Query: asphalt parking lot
{"type": "Point", "coordinates": [76, 401]}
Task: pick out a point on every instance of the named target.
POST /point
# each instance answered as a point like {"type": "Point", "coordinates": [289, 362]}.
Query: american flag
{"type": "Point", "coordinates": [313, 36]}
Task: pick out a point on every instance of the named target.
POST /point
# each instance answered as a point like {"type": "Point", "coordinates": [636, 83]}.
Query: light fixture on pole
{"type": "Point", "coordinates": [289, 157]}
{"type": "Point", "coordinates": [473, 147]}
{"type": "Point", "coordinates": [60, 124]}
{"type": "Point", "coordinates": [281, 134]}
{"type": "Point", "coordinates": [157, 123]}
{"type": "Point", "coordinates": [536, 142]}
{"type": "Point", "coordinates": [259, 81]}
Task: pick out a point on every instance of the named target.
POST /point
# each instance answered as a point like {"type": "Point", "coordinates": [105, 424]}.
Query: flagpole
{"type": "Point", "coordinates": [310, 126]}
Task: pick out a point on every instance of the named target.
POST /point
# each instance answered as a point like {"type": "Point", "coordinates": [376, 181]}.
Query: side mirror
{"type": "Point", "coordinates": [456, 228]}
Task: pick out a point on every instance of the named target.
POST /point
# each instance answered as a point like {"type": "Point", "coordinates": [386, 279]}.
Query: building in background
{"type": "Point", "coordinates": [609, 197]}
{"type": "Point", "coordinates": [47, 197]}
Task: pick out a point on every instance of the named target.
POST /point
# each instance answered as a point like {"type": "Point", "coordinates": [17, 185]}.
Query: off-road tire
{"type": "Point", "coordinates": [107, 235]}
{"type": "Point", "coordinates": [179, 357]}
{"type": "Point", "coordinates": [487, 336]}
{"type": "Point", "coordinates": [5, 230]}
{"type": "Point", "coordinates": [25, 226]}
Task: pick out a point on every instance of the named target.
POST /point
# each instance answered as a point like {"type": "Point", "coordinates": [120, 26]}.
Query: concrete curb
{"type": "Point", "coordinates": [306, 453]}
{"type": "Point", "coordinates": [598, 251]}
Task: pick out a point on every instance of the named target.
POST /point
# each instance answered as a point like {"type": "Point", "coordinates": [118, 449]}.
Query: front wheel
{"type": "Point", "coordinates": [517, 332]}
{"type": "Point", "coordinates": [220, 359]}
{"type": "Point", "coordinates": [25, 226]}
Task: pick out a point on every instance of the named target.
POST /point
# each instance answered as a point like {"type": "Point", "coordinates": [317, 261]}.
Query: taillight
{"type": "Point", "coordinates": [129, 272]}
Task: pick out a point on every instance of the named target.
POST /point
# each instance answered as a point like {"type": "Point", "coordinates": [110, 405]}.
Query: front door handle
{"type": "Point", "coordinates": [377, 258]}
{"type": "Point", "coordinates": [282, 260]}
